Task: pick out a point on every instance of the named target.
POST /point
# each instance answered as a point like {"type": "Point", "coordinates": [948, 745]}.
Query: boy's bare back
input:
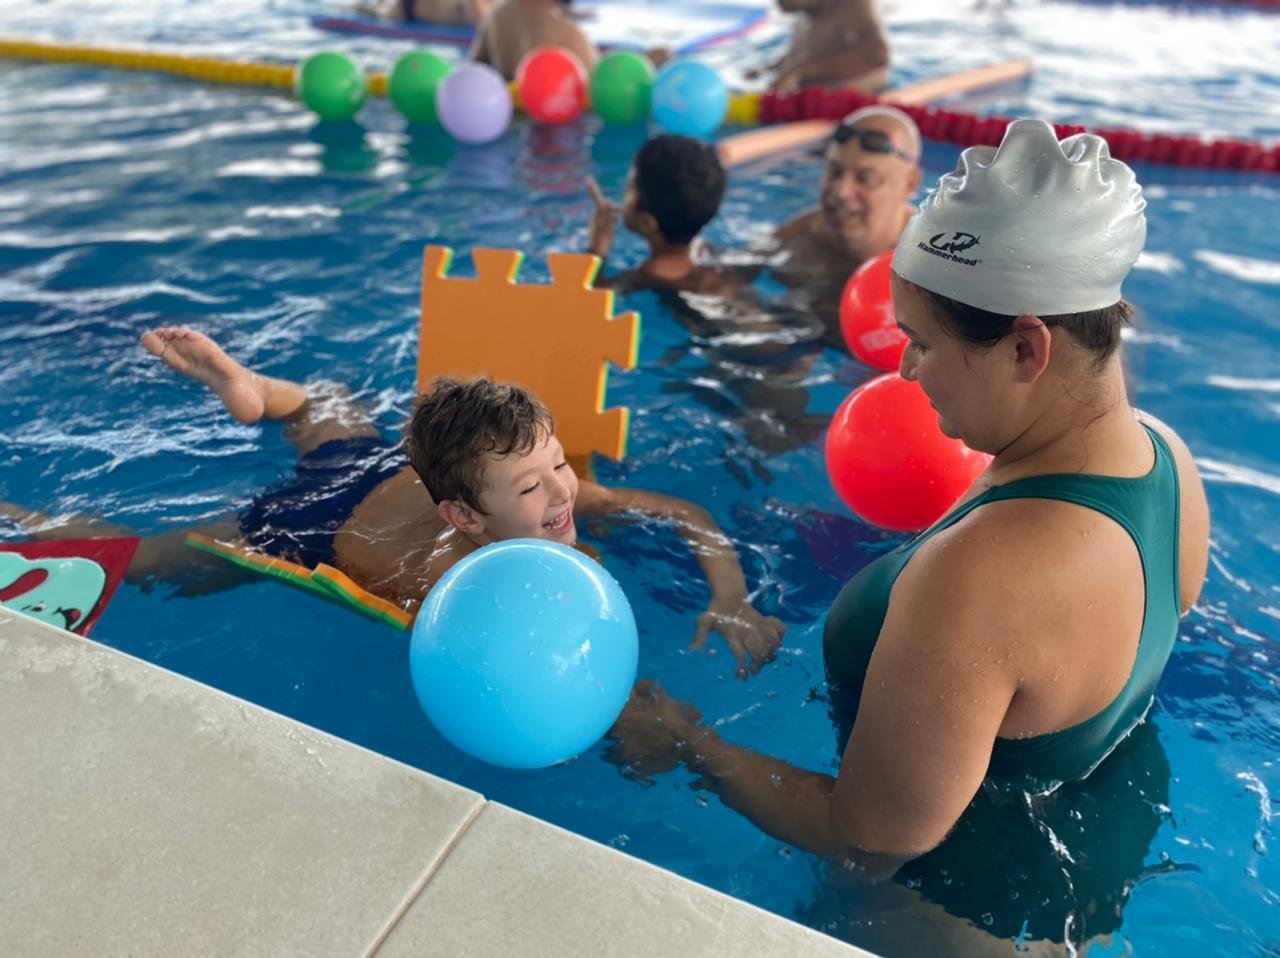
{"type": "Point", "coordinates": [516, 27]}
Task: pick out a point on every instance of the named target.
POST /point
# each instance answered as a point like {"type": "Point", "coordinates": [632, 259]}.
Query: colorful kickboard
{"type": "Point", "coordinates": [685, 28]}
{"type": "Point", "coordinates": [324, 581]}
{"type": "Point", "coordinates": [66, 583]}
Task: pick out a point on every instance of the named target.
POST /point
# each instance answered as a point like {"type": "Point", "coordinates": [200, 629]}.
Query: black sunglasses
{"type": "Point", "coordinates": [873, 141]}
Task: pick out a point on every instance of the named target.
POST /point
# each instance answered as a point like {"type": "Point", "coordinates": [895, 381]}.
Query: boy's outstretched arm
{"type": "Point", "coordinates": [753, 638]}
{"type": "Point", "coordinates": [603, 221]}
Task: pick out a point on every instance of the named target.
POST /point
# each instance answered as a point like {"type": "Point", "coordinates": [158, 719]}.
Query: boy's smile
{"type": "Point", "coordinates": [529, 496]}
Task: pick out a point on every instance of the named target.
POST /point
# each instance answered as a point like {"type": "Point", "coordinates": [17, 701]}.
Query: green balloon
{"type": "Point", "coordinates": [332, 85]}
{"type": "Point", "coordinates": [620, 88]}
{"type": "Point", "coordinates": [413, 84]}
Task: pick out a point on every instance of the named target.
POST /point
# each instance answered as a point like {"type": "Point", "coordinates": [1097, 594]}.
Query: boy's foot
{"type": "Point", "coordinates": [198, 357]}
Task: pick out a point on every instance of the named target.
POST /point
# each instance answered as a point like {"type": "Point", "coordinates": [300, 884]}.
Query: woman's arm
{"type": "Point", "coordinates": [932, 704]}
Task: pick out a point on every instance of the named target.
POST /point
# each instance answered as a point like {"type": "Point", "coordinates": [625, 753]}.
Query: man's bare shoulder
{"type": "Point", "coordinates": [801, 226]}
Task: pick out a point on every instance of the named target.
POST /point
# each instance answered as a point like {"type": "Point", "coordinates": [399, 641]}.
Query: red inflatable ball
{"type": "Point", "coordinates": [890, 462]}
{"type": "Point", "coordinates": [552, 84]}
{"type": "Point", "coordinates": [866, 316]}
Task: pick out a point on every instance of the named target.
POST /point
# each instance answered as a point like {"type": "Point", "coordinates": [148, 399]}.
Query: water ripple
{"type": "Point", "coordinates": [1215, 470]}
{"type": "Point", "coordinates": [1241, 267]}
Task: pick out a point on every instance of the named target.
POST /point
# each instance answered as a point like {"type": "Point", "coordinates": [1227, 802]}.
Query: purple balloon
{"type": "Point", "coordinates": [474, 104]}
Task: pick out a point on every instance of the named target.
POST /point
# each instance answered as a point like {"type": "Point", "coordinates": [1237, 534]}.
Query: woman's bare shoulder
{"type": "Point", "coordinates": [1194, 520]}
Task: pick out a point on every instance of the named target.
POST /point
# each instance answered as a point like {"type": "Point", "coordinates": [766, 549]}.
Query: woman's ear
{"type": "Point", "coordinates": [1032, 344]}
{"type": "Point", "coordinates": [461, 516]}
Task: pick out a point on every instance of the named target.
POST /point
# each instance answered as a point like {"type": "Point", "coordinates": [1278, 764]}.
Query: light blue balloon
{"type": "Point", "coordinates": [524, 653]}
{"type": "Point", "coordinates": [689, 98]}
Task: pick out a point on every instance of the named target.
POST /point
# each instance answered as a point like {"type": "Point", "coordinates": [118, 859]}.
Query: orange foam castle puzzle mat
{"type": "Point", "coordinates": [555, 338]}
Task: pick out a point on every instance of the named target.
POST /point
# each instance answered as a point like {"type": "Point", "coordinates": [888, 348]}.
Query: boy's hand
{"type": "Point", "coordinates": [751, 636]}
{"type": "Point", "coordinates": [603, 221]}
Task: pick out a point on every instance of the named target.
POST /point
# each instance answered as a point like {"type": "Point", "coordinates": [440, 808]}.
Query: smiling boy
{"type": "Point", "coordinates": [492, 468]}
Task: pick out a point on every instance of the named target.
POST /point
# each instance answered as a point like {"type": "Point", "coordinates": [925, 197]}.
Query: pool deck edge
{"type": "Point", "coordinates": [141, 810]}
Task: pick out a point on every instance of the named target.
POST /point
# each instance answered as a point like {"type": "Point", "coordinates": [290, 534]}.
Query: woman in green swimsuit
{"type": "Point", "coordinates": [1019, 640]}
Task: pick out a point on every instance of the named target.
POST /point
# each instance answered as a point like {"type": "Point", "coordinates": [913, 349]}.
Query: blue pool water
{"type": "Point", "coordinates": [128, 200]}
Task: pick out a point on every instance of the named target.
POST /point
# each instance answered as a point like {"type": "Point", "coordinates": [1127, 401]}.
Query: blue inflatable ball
{"type": "Point", "coordinates": [690, 98]}
{"type": "Point", "coordinates": [524, 653]}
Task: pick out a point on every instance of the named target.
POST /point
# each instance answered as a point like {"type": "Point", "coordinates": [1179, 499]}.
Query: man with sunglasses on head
{"type": "Point", "coordinates": [872, 172]}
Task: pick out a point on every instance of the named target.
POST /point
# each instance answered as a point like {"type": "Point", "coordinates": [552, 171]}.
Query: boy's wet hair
{"type": "Point", "coordinates": [680, 182]}
{"type": "Point", "coordinates": [456, 424]}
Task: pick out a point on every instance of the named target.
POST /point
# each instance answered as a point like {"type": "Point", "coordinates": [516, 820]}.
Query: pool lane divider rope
{"type": "Point", "coordinates": [968, 129]}
{"type": "Point", "coordinates": [781, 137]}
{"type": "Point", "coordinates": [746, 109]}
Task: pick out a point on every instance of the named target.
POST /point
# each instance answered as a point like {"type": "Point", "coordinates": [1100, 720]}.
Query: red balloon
{"type": "Point", "coordinates": [552, 84]}
{"type": "Point", "coordinates": [890, 462]}
{"type": "Point", "coordinates": [866, 315]}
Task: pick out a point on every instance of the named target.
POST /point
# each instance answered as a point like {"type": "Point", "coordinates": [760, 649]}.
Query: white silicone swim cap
{"type": "Point", "coordinates": [1035, 227]}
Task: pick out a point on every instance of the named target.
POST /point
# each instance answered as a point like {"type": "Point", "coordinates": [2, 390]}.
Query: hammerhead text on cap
{"type": "Point", "coordinates": [952, 248]}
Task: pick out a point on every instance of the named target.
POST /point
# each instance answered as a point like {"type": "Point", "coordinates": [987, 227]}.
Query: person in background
{"type": "Point", "coordinates": [446, 12]}
{"type": "Point", "coordinates": [673, 191]}
{"type": "Point", "coordinates": [756, 360]}
{"type": "Point", "coordinates": [834, 43]}
{"type": "Point", "coordinates": [514, 28]}
{"type": "Point", "coordinates": [872, 171]}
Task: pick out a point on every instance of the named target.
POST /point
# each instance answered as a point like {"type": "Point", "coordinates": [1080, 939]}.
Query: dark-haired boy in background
{"type": "Point", "coordinates": [673, 191]}
{"type": "Point", "coordinates": [756, 358]}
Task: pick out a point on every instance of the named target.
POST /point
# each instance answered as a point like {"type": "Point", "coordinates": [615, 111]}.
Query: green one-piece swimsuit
{"type": "Point", "coordinates": [1148, 508]}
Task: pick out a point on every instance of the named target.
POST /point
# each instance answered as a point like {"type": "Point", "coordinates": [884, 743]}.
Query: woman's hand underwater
{"type": "Point", "coordinates": [653, 731]}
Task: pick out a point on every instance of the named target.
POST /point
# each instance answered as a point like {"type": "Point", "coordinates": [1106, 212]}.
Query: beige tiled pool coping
{"type": "Point", "coordinates": [142, 813]}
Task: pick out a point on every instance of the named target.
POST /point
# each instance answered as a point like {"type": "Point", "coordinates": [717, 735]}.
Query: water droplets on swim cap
{"type": "Point", "coordinates": [1037, 226]}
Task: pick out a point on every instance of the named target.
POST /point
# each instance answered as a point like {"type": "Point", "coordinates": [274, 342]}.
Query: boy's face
{"type": "Point", "coordinates": [529, 496]}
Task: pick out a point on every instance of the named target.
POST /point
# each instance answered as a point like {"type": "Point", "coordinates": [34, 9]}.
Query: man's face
{"type": "Point", "coordinates": [864, 192]}
{"type": "Point", "coordinates": [530, 496]}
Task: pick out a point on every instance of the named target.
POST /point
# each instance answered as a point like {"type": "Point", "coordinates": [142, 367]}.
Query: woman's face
{"type": "Point", "coordinates": [962, 381]}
